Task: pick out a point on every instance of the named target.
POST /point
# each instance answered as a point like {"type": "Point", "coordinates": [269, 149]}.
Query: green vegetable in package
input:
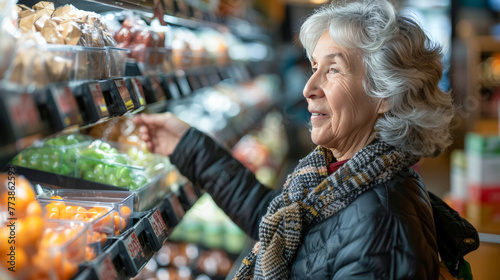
{"type": "Point", "coordinates": [55, 155]}
{"type": "Point", "coordinates": [77, 155]}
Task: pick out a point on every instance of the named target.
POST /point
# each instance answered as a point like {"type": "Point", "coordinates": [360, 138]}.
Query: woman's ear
{"type": "Point", "coordinates": [383, 106]}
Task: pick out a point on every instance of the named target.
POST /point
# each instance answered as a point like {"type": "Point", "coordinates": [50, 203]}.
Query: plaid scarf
{"type": "Point", "coordinates": [310, 196]}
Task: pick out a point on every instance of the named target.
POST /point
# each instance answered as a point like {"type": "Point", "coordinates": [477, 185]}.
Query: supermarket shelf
{"type": "Point", "coordinates": [143, 7]}
{"type": "Point", "coordinates": [98, 6]}
{"type": "Point", "coordinates": [130, 252]}
{"type": "Point", "coordinates": [78, 105]}
{"type": "Point", "coordinates": [243, 123]}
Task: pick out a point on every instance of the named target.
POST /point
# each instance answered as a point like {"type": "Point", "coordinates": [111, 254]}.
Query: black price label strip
{"type": "Point", "coordinates": [67, 106]}
{"type": "Point", "coordinates": [125, 95]}
{"type": "Point", "coordinates": [99, 102]}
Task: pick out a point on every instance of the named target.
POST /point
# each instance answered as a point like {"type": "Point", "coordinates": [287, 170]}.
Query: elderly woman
{"type": "Point", "coordinates": [353, 208]}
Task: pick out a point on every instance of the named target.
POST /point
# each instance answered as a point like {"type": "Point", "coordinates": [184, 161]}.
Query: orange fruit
{"type": "Point", "coordinates": [59, 204]}
{"type": "Point", "coordinates": [19, 259]}
{"type": "Point", "coordinates": [52, 239]}
{"type": "Point", "coordinates": [94, 237]}
{"type": "Point", "coordinates": [43, 262]}
{"type": "Point", "coordinates": [90, 253]}
{"type": "Point", "coordinates": [92, 212]}
{"type": "Point", "coordinates": [4, 241]}
{"type": "Point", "coordinates": [34, 209]}
{"type": "Point", "coordinates": [32, 231]}
{"type": "Point", "coordinates": [56, 197]}
{"type": "Point", "coordinates": [116, 220]}
{"type": "Point", "coordinates": [22, 196]}
{"type": "Point", "coordinates": [68, 270]}
{"type": "Point", "coordinates": [125, 212]}
{"type": "Point", "coordinates": [82, 210]}
{"type": "Point", "coordinates": [103, 240]}
{"type": "Point", "coordinates": [69, 233]}
{"type": "Point", "coordinates": [53, 215]}
{"type": "Point", "coordinates": [67, 212]}
{"type": "Point", "coordinates": [79, 217]}
{"type": "Point", "coordinates": [51, 207]}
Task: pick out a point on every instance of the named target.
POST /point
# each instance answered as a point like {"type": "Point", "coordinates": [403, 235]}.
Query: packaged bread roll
{"type": "Point", "coordinates": [45, 5]}
{"type": "Point", "coordinates": [51, 33]}
{"type": "Point", "coordinates": [71, 32]}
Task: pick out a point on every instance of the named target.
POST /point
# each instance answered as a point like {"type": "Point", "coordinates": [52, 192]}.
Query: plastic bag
{"type": "Point", "coordinates": [8, 29]}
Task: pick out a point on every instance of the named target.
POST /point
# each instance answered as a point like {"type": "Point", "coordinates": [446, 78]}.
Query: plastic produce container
{"type": "Point", "coordinates": [126, 166]}
{"type": "Point", "coordinates": [154, 60]}
{"type": "Point", "coordinates": [100, 220]}
{"type": "Point", "coordinates": [121, 202]}
{"type": "Point", "coordinates": [62, 248]}
{"type": "Point", "coordinates": [44, 64]}
{"type": "Point", "coordinates": [116, 59]}
{"type": "Point", "coordinates": [41, 65]}
{"type": "Point", "coordinates": [90, 63]}
{"type": "Point", "coordinates": [55, 155]}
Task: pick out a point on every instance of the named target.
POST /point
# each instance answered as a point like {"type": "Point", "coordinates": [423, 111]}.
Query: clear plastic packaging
{"type": "Point", "coordinates": [8, 18]}
{"type": "Point", "coordinates": [121, 202]}
{"type": "Point", "coordinates": [41, 65]}
{"type": "Point", "coordinates": [126, 166]}
{"type": "Point", "coordinates": [62, 249]}
{"type": "Point", "coordinates": [99, 218]}
{"type": "Point", "coordinates": [115, 62]}
{"type": "Point", "coordinates": [55, 155]}
{"type": "Point", "coordinates": [90, 64]}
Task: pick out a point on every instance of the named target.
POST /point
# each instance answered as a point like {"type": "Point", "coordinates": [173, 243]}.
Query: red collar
{"type": "Point", "coordinates": [335, 165]}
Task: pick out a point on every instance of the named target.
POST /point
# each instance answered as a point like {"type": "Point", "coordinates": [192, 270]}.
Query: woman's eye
{"type": "Point", "coordinates": [333, 71]}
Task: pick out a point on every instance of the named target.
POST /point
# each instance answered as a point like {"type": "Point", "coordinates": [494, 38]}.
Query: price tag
{"type": "Point", "coordinates": [156, 87]}
{"type": "Point", "coordinates": [125, 95]}
{"type": "Point", "coordinates": [172, 87]}
{"type": "Point", "coordinates": [99, 102]}
{"type": "Point", "coordinates": [190, 193]}
{"type": "Point", "coordinates": [133, 245]}
{"type": "Point", "coordinates": [183, 83]}
{"type": "Point", "coordinates": [204, 81]}
{"type": "Point", "coordinates": [23, 111]}
{"type": "Point", "coordinates": [136, 83]}
{"type": "Point", "coordinates": [67, 106]}
{"type": "Point", "coordinates": [193, 81]}
{"type": "Point", "coordinates": [158, 224]}
{"type": "Point", "coordinates": [106, 270]}
{"type": "Point", "coordinates": [176, 206]}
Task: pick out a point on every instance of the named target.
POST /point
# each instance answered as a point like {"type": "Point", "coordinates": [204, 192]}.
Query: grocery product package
{"type": "Point", "coordinates": [146, 43]}
{"type": "Point", "coordinates": [58, 45]}
{"type": "Point", "coordinates": [8, 28]}
{"type": "Point", "coordinates": [483, 181]}
{"type": "Point", "coordinates": [43, 249]}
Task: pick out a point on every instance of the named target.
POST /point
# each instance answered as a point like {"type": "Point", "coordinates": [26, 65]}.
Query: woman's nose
{"type": "Point", "coordinates": [312, 89]}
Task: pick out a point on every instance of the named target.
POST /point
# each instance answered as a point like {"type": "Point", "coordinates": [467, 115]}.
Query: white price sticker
{"type": "Point", "coordinates": [133, 245]}
{"type": "Point", "coordinates": [159, 226]}
{"type": "Point", "coordinates": [106, 269]}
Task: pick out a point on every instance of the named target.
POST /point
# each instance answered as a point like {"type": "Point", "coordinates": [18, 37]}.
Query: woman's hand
{"type": "Point", "coordinates": [161, 132]}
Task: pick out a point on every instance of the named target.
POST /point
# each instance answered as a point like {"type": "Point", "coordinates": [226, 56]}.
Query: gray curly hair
{"type": "Point", "coordinates": [402, 66]}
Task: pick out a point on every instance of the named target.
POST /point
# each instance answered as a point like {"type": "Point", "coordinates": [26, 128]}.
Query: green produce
{"type": "Point", "coordinates": [55, 155]}
{"type": "Point", "coordinates": [102, 163]}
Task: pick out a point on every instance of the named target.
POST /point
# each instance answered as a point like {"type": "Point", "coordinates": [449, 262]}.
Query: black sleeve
{"type": "Point", "coordinates": [232, 186]}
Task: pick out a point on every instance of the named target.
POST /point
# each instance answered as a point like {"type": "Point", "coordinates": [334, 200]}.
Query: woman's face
{"type": "Point", "coordinates": [343, 115]}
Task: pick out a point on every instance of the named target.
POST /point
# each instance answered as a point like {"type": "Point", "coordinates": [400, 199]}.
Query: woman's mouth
{"type": "Point", "coordinates": [318, 116]}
